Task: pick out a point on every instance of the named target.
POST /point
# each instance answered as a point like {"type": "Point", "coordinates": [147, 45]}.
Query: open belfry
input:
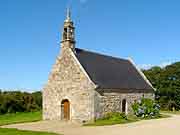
{"type": "Point", "coordinates": [85, 85]}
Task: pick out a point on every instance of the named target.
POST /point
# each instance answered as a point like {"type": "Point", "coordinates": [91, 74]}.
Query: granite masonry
{"type": "Point", "coordinates": [84, 86]}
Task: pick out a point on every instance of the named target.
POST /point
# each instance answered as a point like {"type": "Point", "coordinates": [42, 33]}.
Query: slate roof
{"type": "Point", "coordinates": [111, 73]}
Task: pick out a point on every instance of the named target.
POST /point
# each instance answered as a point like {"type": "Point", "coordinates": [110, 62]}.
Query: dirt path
{"type": "Point", "coordinates": [167, 126]}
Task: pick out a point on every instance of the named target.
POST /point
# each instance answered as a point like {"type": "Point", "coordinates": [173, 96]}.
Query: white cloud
{"type": "Point", "coordinates": [162, 65]}
{"type": "Point", "coordinates": [145, 66]}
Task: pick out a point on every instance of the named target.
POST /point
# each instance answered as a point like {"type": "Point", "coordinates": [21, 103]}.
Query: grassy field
{"type": "Point", "coordinates": [20, 118]}
{"type": "Point", "coordinates": [7, 131]}
{"type": "Point", "coordinates": [171, 112]}
{"type": "Point", "coordinates": [130, 118]}
{"type": "Point", "coordinates": [103, 122]}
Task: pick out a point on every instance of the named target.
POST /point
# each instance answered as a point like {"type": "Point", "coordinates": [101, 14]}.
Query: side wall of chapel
{"type": "Point", "coordinates": [110, 101]}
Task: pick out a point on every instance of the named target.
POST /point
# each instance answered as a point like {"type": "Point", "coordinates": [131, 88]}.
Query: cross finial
{"type": "Point", "coordinates": [68, 15]}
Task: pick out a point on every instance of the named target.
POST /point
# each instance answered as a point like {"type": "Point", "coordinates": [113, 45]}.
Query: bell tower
{"type": "Point", "coordinates": [68, 36]}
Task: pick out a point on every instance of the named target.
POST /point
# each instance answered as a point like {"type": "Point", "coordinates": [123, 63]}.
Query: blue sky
{"type": "Point", "coordinates": [30, 32]}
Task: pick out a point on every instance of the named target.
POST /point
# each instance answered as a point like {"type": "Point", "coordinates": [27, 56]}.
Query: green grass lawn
{"type": "Point", "coordinates": [159, 117]}
{"type": "Point", "coordinates": [171, 112]}
{"type": "Point", "coordinates": [103, 122]}
{"type": "Point", "coordinates": [130, 118]}
{"type": "Point", "coordinates": [20, 118]}
{"type": "Point", "coordinates": [7, 131]}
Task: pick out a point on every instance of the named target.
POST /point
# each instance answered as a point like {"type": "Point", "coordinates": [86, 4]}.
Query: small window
{"type": "Point", "coordinates": [124, 105]}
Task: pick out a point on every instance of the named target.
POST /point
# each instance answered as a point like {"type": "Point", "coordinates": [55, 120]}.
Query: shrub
{"type": "Point", "coordinates": [146, 108]}
{"type": "Point", "coordinates": [16, 101]}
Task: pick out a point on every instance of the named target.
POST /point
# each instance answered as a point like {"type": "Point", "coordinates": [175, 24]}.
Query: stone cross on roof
{"type": "Point", "coordinates": [68, 15]}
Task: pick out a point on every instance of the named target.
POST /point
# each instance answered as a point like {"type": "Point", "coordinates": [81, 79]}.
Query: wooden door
{"type": "Point", "coordinates": [66, 110]}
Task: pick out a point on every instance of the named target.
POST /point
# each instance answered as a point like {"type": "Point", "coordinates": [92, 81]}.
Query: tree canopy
{"type": "Point", "coordinates": [167, 83]}
{"type": "Point", "coordinates": [16, 101]}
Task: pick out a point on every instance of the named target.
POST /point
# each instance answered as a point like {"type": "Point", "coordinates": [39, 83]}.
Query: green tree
{"type": "Point", "coordinates": [16, 101]}
{"type": "Point", "coordinates": [167, 82]}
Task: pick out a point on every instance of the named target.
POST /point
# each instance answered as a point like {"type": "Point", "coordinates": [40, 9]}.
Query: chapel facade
{"type": "Point", "coordinates": [85, 85]}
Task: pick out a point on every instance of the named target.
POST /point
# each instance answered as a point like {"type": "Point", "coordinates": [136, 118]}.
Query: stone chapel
{"type": "Point", "coordinates": [85, 85]}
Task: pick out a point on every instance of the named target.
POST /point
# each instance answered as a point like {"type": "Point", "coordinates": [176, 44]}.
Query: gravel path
{"type": "Point", "coordinates": [166, 126]}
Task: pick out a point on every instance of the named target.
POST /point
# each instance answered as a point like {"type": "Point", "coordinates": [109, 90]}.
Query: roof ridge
{"type": "Point", "coordinates": [105, 55]}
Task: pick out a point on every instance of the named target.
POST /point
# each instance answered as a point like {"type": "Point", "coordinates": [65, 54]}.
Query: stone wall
{"type": "Point", "coordinates": [112, 101]}
{"type": "Point", "coordinates": [68, 81]}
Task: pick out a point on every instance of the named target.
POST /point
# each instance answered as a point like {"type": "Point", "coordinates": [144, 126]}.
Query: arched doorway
{"type": "Point", "coordinates": [65, 110]}
{"type": "Point", "coordinates": [124, 105]}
